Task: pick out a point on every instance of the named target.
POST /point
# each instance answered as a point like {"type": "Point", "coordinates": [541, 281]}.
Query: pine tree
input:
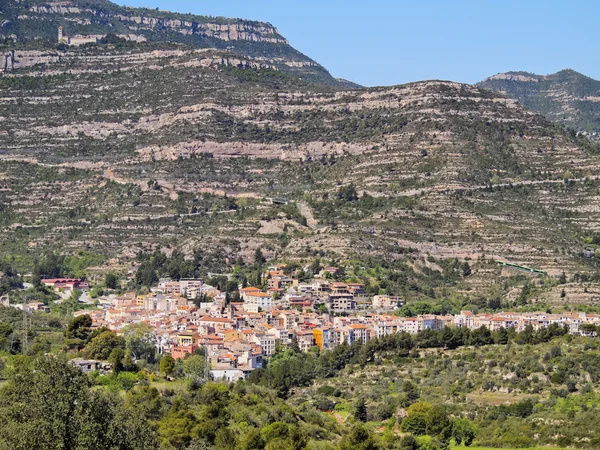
{"type": "Point", "coordinates": [259, 258]}
{"type": "Point", "coordinates": [360, 410]}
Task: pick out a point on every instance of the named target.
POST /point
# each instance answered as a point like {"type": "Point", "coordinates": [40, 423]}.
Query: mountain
{"type": "Point", "coordinates": [124, 145]}
{"type": "Point", "coordinates": [35, 23]}
{"type": "Point", "coordinates": [114, 149]}
{"type": "Point", "coordinates": [566, 97]}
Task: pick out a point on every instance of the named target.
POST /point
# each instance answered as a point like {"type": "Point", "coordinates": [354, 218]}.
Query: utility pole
{"type": "Point", "coordinates": [25, 326]}
{"type": "Point", "coordinates": [206, 361]}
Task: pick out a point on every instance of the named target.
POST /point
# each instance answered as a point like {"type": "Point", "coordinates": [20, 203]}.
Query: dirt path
{"type": "Point", "coordinates": [307, 213]}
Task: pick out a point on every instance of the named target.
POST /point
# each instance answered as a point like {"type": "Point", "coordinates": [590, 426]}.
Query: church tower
{"type": "Point", "coordinates": [60, 35]}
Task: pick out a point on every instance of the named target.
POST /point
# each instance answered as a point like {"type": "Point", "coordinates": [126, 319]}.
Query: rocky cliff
{"type": "Point", "coordinates": [35, 24]}
{"type": "Point", "coordinates": [136, 21]}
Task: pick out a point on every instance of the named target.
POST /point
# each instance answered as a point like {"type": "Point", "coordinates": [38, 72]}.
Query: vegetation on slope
{"type": "Point", "coordinates": [566, 97]}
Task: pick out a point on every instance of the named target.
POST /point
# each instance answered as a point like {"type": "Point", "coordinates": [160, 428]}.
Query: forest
{"type": "Point", "coordinates": [433, 390]}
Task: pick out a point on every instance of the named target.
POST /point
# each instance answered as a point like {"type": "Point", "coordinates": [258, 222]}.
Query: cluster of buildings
{"type": "Point", "coordinates": [239, 335]}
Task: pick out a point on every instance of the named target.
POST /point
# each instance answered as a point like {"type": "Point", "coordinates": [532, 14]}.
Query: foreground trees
{"type": "Point", "coordinates": [48, 404]}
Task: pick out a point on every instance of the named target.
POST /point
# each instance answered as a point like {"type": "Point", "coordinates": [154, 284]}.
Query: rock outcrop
{"type": "Point", "coordinates": [132, 19]}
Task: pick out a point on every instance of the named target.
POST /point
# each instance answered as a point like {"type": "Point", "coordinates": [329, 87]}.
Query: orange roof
{"type": "Point", "coordinates": [249, 289]}
{"type": "Point", "coordinates": [260, 294]}
{"type": "Point", "coordinates": [215, 319]}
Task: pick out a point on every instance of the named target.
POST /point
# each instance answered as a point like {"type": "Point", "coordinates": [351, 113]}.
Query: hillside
{"type": "Point", "coordinates": [566, 97]}
{"type": "Point", "coordinates": [34, 24]}
{"type": "Point", "coordinates": [115, 149]}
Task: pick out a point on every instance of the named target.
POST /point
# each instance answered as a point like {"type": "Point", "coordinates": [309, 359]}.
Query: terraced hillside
{"type": "Point", "coordinates": [117, 149]}
{"type": "Point", "coordinates": [566, 97]}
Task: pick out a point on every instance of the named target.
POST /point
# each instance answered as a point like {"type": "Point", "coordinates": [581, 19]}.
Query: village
{"type": "Point", "coordinates": [188, 315]}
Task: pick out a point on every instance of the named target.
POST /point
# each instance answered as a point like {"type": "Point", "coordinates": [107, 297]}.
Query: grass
{"type": "Point", "coordinates": [503, 448]}
{"type": "Point", "coordinates": [175, 386]}
{"type": "Point", "coordinates": [496, 398]}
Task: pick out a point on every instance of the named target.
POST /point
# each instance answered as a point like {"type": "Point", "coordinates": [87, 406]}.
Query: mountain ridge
{"type": "Point", "coordinates": [187, 147]}
{"type": "Point", "coordinates": [567, 96]}
{"type": "Point", "coordinates": [119, 146]}
{"type": "Point", "coordinates": [35, 23]}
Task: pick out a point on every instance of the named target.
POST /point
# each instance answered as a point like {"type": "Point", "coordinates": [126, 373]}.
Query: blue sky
{"type": "Point", "coordinates": [386, 42]}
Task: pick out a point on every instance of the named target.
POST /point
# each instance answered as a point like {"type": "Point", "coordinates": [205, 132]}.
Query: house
{"type": "Point", "coordinates": [180, 351]}
{"type": "Point", "coordinates": [413, 325]}
{"type": "Point", "coordinates": [341, 298]}
{"type": "Point", "coordinates": [256, 301]}
{"type": "Point", "coordinates": [356, 289]}
{"type": "Point", "coordinates": [323, 338]}
{"type": "Point", "coordinates": [244, 292]}
{"type": "Point", "coordinates": [387, 302]}
{"type": "Point", "coordinates": [66, 285]}
{"type": "Point", "coordinates": [227, 373]}
{"type": "Point", "coordinates": [360, 333]}
{"type": "Point", "coordinates": [267, 342]}
{"type": "Point", "coordinates": [87, 365]}
{"type": "Point", "coordinates": [305, 339]}
{"type": "Point", "coordinates": [329, 270]}
{"type": "Point", "coordinates": [38, 306]}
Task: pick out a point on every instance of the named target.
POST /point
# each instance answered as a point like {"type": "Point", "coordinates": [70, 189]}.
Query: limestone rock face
{"type": "Point", "coordinates": [234, 31]}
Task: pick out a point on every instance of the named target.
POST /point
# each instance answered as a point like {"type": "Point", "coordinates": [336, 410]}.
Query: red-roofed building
{"type": "Point", "coordinates": [65, 284]}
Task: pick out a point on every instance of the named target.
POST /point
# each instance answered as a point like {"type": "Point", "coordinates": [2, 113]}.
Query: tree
{"type": "Point", "coordinates": [145, 399]}
{"type": "Point", "coordinates": [522, 299]}
{"type": "Point", "coordinates": [359, 438]}
{"type": "Point", "coordinates": [141, 341]}
{"type": "Point", "coordinates": [146, 275]}
{"type": "Point", "coordinates": [5, 331]}
{"type": "Point", "coordinates": [193, 367]}
{"type": "Point", "coordinates": [167, 364]}
{"type": "Point", "coordinates": [315, 266]}
{"type": "Point", "coordinates": [226, 439]}
{"type": "Point", "coordinates": [252, 440]}
{"type": "Point", "coordinates": [48, 404]}
{"type": "Point", "coordinates": [501, 336]}
{"type": "Point", "coordinates": [481, 336]}
{"type": "Point", "coordinates": [466, 269]}
{"type": "Point", "coordinates": [411, 391]}
{"type": "Point", "coordinates": [111, 280]}
{"type": "Point", "coordinates": [115, 359]}
{"type": "Point", "coordinates": [102, 345]}
{"type": "Point", "coordinates": [417, 419]}
{"type": "Point", "coordinates": [463, 431]}
{"type": "Point", "coordinates": [347, 193]}
{"type": "Point", "coordinates": [259, 258]}
{"type": "Point", "coordinates": [79, 327]}
{"type": "Point", "coordinates": [360, 410]}
{"type": "Point", "coordinates": [437, 420]}
{"type": "Point", "coordinates": [408, 442]}
{"type": "Point", "coordinates": [494, 303]}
